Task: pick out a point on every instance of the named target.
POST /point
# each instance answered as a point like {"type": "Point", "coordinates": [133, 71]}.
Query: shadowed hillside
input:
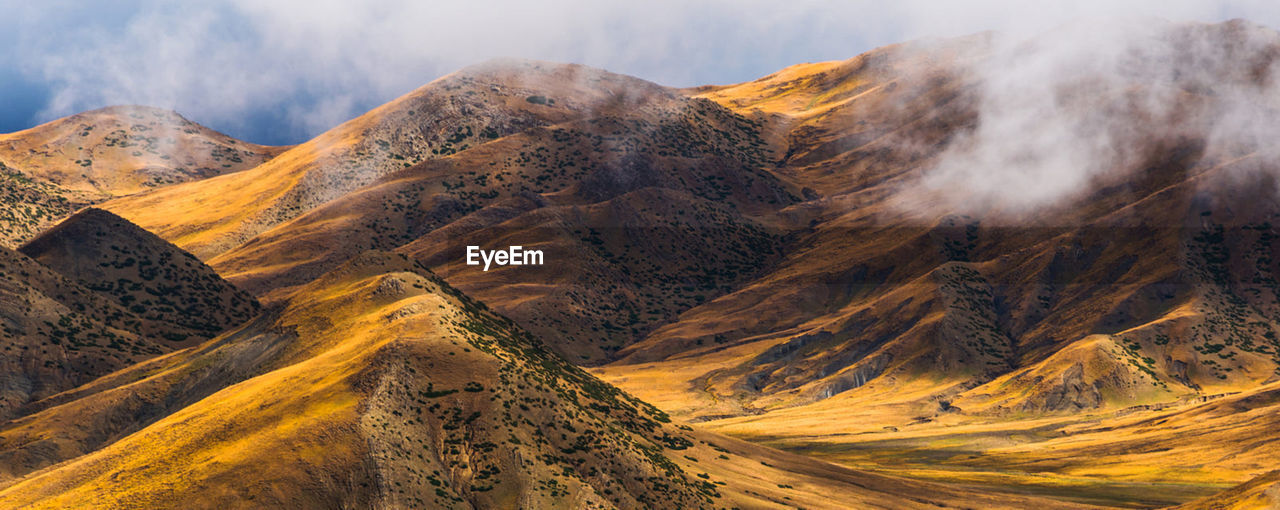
{"type": "Point", "coordinates": [152, 278]}
{"type": "Point", "coordinates": [80, 310]}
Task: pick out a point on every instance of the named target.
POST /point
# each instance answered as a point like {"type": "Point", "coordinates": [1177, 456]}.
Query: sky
{"type": "Point", "coordinates": [281, 72]}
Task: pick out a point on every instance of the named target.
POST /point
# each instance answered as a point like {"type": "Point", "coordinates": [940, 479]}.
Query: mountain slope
{"type": "Point", "coordinates": [52, 169]}
{"type": "Point", "coordinates": [120, 150]}
{"type": "Point", "coordinates": [1260, 493]}
{"type": "Point", "coordinates": [30, 205]}
{"type": "Point", "coordinates": [640, 212]}
{"type": "Point", "coordinates": [58, 334]}
{"type": "Point", "coordinates": [95, 295]}
{"type": "Point", "coordinates": [447, 116]}
{"type": "Point", "coordinates": [377, 384]}
{"type": "Point", "coordinates": [1093, 373]}
{"type": "Point", "coordinates": [151, 277]}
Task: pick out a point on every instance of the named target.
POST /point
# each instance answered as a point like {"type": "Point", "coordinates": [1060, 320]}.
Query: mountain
{"type": "Point", "coordinates": [120, 150]}
{"type": "Point", "coordinates": [58, 334]}
{"type": "Point", "coordinates": [447, 116]}
{"type": "Point", "coordinates": [1150, 288]}
{"type": "Point", "coordinates": [869, 290]}
{"type": "Point", "coordinates": [885, 262]}
{"type": "Point", "coordinates": [97, 294]}
{"type": "Point", "coordinates": [142, 272]}
{"type": "Point", "coordinates": [621, 175]}
{"type": "Point", "coordinates": [378, 384]}
{"type": "Point", "coordinates": [51, 170]}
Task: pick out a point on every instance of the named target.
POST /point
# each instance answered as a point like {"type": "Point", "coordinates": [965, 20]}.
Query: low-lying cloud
{"type": "Point", "coordinates": [285, 70]}
{"type": "Point", "coordinates": [1058, 112]}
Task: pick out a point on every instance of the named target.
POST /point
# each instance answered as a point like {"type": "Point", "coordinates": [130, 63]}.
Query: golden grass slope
{"type": "Point", "coordinates": [1096, 372]}
{"type": "Point", "coordinates": [1141, 456]}
{"type": "Point", "coordinates": [1261, 493]}
{"type": "Point", "coordinates": [382, 386]}
{"type": "Point", "coordinates": [50, 170]}
{"type": "Point", "coordinates": [97, 294]}
{"type": "Point", "coordinates": [389, 374]}
{"type": "Point", "coordinates": [447, 116]}
{"type": "Point", "coordinates": [120, 150]}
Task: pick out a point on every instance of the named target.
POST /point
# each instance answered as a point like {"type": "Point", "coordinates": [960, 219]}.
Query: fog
{"type": "Point", "coordinates": [283, 71]}
{"type": "Point", "coordinates": [1061, 111]}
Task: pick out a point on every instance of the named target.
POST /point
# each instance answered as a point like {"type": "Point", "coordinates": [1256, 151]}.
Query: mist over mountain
{"type": "Point", "coordinates": [287, 70]}
{"type": "Point", "coordinates": [1033, 267]}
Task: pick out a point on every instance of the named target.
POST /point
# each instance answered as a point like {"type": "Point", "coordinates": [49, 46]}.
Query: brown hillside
{"type": "Point", "coordinates": [152, 278]}
{"type": "Point", "coordinates": [97, 294]}
{"type": "Point", "coordinates": [58, 334]}
{"type": "Point", "coordinates": [641, 213]}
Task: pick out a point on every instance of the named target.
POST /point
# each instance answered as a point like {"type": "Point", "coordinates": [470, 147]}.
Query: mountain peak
{"type": "Point", "coordinates": [109, 254]}
{"type": "Point", "coordinates": [123, 149]}
{"type": "Point", "coordinates": [86, 223]}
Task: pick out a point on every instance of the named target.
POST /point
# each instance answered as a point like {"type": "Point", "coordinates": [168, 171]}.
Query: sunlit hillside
{"type": "Point", "coordinates": [53, 169]}
{"type": "Point", "coordinates": [960, 272]}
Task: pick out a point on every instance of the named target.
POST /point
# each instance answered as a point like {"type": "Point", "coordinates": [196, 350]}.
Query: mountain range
{"type": "Point", "coordinates": [753, 296]}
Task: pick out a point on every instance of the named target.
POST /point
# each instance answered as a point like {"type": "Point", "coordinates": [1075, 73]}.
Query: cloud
{"type": "Point", "coordinates": [1062, 111]}
{"type": "Point", "coordinates": [285, 70]}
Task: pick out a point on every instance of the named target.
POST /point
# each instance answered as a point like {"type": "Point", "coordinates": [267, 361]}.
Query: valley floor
{"type": "Point", "coordinates": [1140, 457]}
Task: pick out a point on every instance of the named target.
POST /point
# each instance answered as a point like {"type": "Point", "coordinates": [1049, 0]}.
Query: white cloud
{"type": "Point", "coordinates": [315, 63]}
{"type": "Point", "coordinates": [1062, 111]}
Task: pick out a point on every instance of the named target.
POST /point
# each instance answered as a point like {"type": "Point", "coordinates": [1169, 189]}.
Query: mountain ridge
{"type": "Point", "coordinates": [797, 261]}
{"type": "Point", "coordinates": [51, 170]}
